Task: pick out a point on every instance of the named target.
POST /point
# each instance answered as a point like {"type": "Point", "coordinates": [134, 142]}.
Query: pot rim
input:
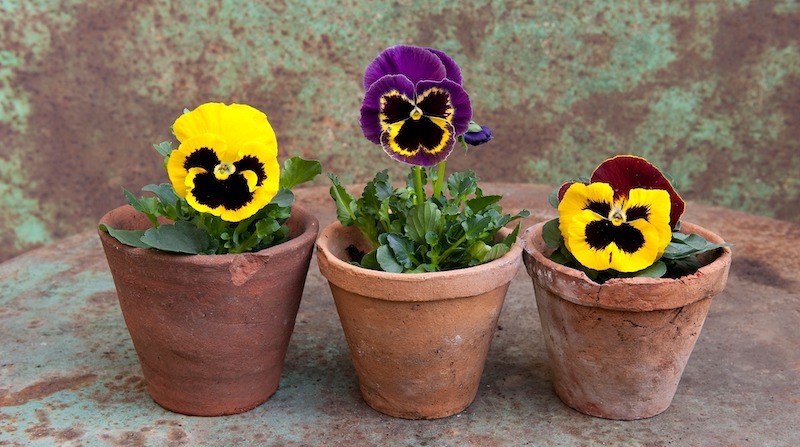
{"type": "Point", "coordinates": [633, 294]}
{"type": "Point", "coordinates": [430, 286]}
{"type": "Point", "coordinates": [307, 228]}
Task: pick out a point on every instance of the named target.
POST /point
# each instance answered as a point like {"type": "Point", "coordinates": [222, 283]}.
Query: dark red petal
{"type": "Point", "coordinates": [563, 190]}
{"type": "Point", "coordinates": [626, 172]}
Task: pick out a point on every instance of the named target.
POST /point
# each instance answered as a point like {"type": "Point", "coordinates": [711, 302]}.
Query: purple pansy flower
{"type": "Point", "coordinates": [474, 138]}
{"type": "Point", "coordinates": [414, 105]}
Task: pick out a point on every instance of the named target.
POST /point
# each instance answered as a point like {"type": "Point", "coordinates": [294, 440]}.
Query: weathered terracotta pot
{"type": "Point", "coordinates": [418, 341]}
{"type": "Point", "coordinates": [211, 331]}
{"type": "Point", "coordinates": [618, 350]}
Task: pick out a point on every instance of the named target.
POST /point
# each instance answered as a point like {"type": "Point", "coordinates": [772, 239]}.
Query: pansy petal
{"type": "Point", "coordinates": [237, 124]}
{"type": "Point", "coordinates": [203, 151]}
{"type": "Point", "coordinates": [423, 142]}
{"type": "Point", "coordinates": [626, 172]}
{"type": "Point", "coordinates": [446, 97]}
{"type": "Point", "coordinates": [415, 63]}
{"type": "Point", "coordinates": [453, 71]}
{"type": "Point", "coordinates": [653, 206]}
{"type": "Point", "coordinates": [378, 109]}
{"type": "Point", "coordinates": [203, 119]}
{"type": "Point", "coordinates": [600, 245]}
{"type": "Point", "coordinates": [580, 197]}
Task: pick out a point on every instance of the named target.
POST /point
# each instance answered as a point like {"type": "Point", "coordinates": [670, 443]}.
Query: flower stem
{"type": "Point", "coordinates": [437, 185]}
{"type": "Point", "coordinates": [418, 185]}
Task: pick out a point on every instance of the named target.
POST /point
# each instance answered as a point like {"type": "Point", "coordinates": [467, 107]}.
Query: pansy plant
{"type": "Point", "coordinates": [623, 221]}
{"type": "Point", "coordinates": [227, 191]}
{"type": "Point", "coordinates": [416, 109]}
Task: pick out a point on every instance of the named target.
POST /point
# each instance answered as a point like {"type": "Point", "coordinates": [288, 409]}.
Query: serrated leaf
{"type": "Point", "coordinates": [478, 204]}
{"type": "Point", "coordinates": [345, 203]}
{"type": "Point", "coordinates": [552, 234]}
{"type": "Point", "coordinates": [386, 260]}
{"type": "Point", "coordinates": [180, 237]}
{"type": "Point", "coordinates": [474, 226]}
{"type": "Point", "coordinates": [127, 237]}
{"type": "Point", "coordinates": [297, 170]}
{"type": "Point", "coordinates": [497, 251]}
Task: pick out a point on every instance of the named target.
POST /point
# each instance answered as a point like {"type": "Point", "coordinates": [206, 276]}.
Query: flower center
{"type": "Point", "coordinates": [223, 170]}
{"type": "Point", "coordinates": [617, 216]}
{"type": "Point", "coordinates": [416, 113]}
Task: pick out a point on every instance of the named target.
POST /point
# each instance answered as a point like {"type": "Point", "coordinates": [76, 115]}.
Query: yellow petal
{"type": "Point", "coordinates": [658, 203]}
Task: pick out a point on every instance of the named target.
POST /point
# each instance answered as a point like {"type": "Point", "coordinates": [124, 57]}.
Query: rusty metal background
{"type": "Point", "coordinates": [706, 89]}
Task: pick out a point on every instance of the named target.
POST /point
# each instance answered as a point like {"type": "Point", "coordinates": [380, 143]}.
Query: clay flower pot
{"type": "Point", "coordinates": [618, 350]}
{"type": "Point", "coordinates": [418, 341]}
{"type": "Point", "coordinates": [211, 331]}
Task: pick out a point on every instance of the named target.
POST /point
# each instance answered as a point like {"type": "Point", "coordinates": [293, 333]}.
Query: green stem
{"type": "Point", "coordinates": [451, 249]}
{"type": "Point", "coordinates": [418, 185]}
{"type": "Point", "coordinates": [437, 185]}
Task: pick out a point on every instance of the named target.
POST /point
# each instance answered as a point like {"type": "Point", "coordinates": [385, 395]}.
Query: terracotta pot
{"type": "Point", "coordinates": [618, 350]}
{"type": "Point", "coordinates": [211, 331]}
{"type": "Point", "coordinates": [418, 341]}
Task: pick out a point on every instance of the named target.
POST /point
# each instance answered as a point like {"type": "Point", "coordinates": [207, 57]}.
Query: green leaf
{"type": "Point", "coordinates": [422, 219]}
{"type": "Point", "coordinates": [497, 251]}
{"type": "Point", "coordinates": [657, 270]}
{"type": "Point", "coordinates": [552, 234]}
{"type": "Point", "coordinates": [475, 226]}
{"type": "Point", "coordinates": [345, 203]}
{"type": "Point", "coordinates": [284, 198]}
{"type": "Point", "coordinates": [386, 260]}
{"type": "Point", "coordinates": [164, 148]}
{"type": "Point", "coordinates": [553, 198]}
{"type": "Point", "coordinates": [474, 127]}
{"type": "Point", "coordinates": [180, 237]}
{"type": "Point", "coordinates": [165, 193]}
{"type": "Point", "coordinates": [370, 261]}
{"type": "Point", "coordinates": [127, 237]}
{"type": "Point", "coordinates": [297, 170]}
{"type": "Point", "coordinates": [402, 248]}
{"type": "Point", "coordinates": [478, 204]}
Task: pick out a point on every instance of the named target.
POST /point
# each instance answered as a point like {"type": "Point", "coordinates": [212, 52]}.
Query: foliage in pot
{"type": "Point", "coordinates": [622, 289]}
{"type": "Point", "coordinates": [416, 109]}
{"type": "Point", "coordinates": [210, 269]}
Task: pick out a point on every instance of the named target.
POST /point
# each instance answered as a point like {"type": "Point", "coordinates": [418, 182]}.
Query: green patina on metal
{"type": "Point", "coordinates": [705, 89]}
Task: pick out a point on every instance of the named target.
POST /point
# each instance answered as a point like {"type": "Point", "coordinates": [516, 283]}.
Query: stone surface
{"type": "Point", "coordinates": [69, 374]}
{"type": "Point", "coordinates": [706, 90]}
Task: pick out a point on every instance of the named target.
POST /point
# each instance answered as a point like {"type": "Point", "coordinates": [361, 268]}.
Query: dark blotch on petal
{"type": "Point", "coordinates": [628, 238]}
{"type": "Point", "coordinates": [601, 208]}
{"type": "Point", "coordinates": [231, 193]}
{"type": "Point", "coordinates": [396, 108]}
{"type": "Point", "coordinates": [638, 212]}
{"type": "Point", "coordinates": [600, 233]}
{"type": "Point", "coordinates": [436, 103]}
{"type": "Point", "coordinates": [419, 133]}
{"type": "Point", "coordinates": [201, 158]}
{"type": "Point", "coordinates": [250, 163]}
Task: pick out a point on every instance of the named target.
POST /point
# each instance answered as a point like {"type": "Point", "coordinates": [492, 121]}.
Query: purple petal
{"type": "Point", "coordinates": [415, 63]}
{"type": "Point", "coordinates": [371, 106]}
{"type": "Point", "coordinates": [421, 156]}
{"type": "Point", "coordinates": [459, 101]}
{"type": "Point", "coordinates": [450, 65]}
{"type": "Point", "coordinates": [475, 138]}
